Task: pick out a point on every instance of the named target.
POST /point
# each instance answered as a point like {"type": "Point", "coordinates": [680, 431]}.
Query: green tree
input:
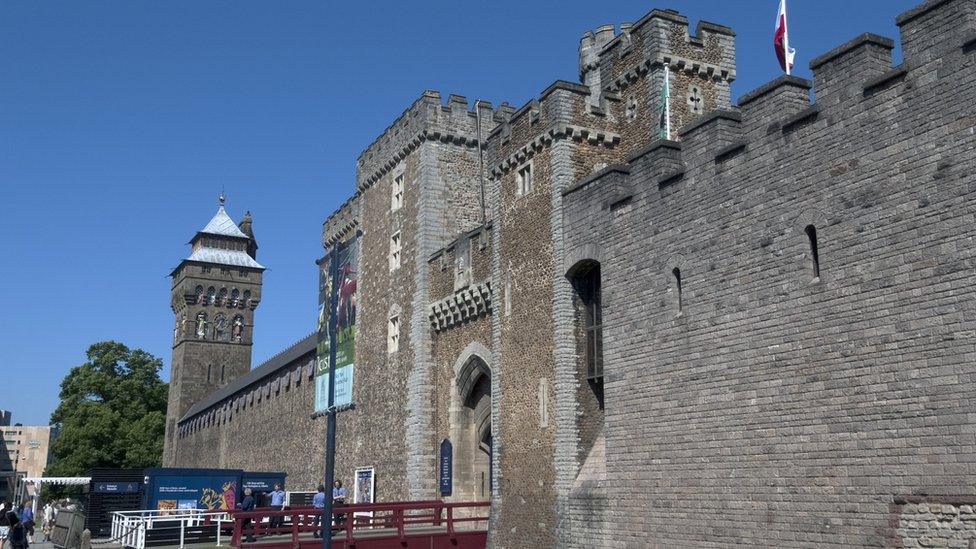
{"type": "Point", "coordinates": [112, 413]}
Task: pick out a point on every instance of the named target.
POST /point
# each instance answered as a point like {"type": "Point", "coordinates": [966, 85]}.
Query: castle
{"type": "Point", "coordinates": [755, 331]}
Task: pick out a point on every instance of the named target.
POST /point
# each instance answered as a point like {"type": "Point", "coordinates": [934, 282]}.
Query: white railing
{"type": "Point", "coordinates": [129, 527]}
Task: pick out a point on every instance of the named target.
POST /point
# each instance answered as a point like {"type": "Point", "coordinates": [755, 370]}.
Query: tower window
{"type": "Point", "coordinates": [524, 180]}
{"type": "Point", "coordinates": [586, 282]}
{"type": "Point", "coordinates": [395, 251]}
{"type": "Point", "coordinates": [676, 272]}
{"type": "Point", "coordinates": [211, 295]}
{"type": "Point", "coordinates": [209, 372]}
{"type": "Point", "coordinates": [814, 250]}
{"type": "Point", "coordinates": [223, 370]}
{"type": "Point", "coordinates": [396, 198]}
{"type": "Point", "coordinates": [393, 335]}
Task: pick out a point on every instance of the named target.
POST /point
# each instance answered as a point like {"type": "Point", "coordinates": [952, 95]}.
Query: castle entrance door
{"type": "Point", "coordinates": [471, 431]}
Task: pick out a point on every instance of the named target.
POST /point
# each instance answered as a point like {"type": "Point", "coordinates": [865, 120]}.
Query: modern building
{"type": "Point", "coordinates": [24, 452]}
{"type": "Point", "coordinates": [751, 326]}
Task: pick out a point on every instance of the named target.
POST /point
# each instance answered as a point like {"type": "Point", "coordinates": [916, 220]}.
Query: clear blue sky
{"type": "Point", "coordinates": [121, 121]}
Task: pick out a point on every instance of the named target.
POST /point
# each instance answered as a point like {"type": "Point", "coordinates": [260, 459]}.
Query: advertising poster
{"type": "Point", "coordinates": [364, 488]}
{"type": "Point", "coordinates": [343, 280]}
{"type": "Point", "coordinates": [211, 493]}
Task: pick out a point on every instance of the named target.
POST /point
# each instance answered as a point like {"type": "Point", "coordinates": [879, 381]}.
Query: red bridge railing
{"type": "Point", "coordinates": [462, 524]}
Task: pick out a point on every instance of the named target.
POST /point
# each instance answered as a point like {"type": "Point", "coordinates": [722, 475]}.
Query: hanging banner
{"type": "Point", "coordinates": [344, 279]}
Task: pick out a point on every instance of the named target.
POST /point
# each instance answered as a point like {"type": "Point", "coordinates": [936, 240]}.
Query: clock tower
{"type": "Point", "coordinates": [214, 294]}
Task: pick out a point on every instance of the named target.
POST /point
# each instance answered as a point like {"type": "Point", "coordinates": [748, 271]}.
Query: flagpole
{"type": "Point", "coordinates": [786, 40]}
{"type": "Point", "coordinates": [667, 102]}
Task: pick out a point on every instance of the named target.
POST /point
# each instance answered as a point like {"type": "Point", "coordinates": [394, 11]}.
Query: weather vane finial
{"type": "Point", "coordinates": [221, 198]}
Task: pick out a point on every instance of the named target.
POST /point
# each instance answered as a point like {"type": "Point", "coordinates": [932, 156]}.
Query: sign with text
{"type": "Point", "coordinates": [340, 279]}
{"type": "Point", "coordinates": [446, 467]}
{"type": "Point", "coordinates": [117, 487]}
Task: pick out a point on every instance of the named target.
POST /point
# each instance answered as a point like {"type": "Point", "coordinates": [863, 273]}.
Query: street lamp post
{"type": "Point", "coordinates": [330, 440]}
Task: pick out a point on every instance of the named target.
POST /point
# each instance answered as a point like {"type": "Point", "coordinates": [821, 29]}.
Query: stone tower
{"type": "Point", "coordinates": [215, 292]}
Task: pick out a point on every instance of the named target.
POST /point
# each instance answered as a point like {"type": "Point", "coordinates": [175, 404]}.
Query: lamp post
{"type": "Point", "coordinates": [330, 440]}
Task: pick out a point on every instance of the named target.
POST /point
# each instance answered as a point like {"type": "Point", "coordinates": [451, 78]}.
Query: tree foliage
{"type": "Point", "coordinates": [112, 412]}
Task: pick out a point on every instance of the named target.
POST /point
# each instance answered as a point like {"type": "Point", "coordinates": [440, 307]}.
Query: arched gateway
{"type": "Point", "coordinates": [471, 432]}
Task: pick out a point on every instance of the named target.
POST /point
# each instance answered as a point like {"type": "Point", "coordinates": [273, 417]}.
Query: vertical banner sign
{"type": "Point", "coordinates": [446, 467]}
{"type": "Point", "coordinates": [345, 279]}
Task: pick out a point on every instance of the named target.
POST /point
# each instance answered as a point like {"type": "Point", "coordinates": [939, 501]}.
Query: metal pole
{"type": "Point", "coordinates": [330, 440]}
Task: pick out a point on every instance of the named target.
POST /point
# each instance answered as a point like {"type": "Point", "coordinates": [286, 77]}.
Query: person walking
{"type": "Point", "coordinates": [318, 502]}
{"type": "Point", "coordinates": [27, 518]}
{"type": "Point", "coordinates": [48, 517]}
{"type": "Point", "coordinates": [247, 506]}
{"type": "Point", "coordinates": [277, 504]}
{"type": "Point", "coordinates": [18, 534]}
{"type": "Point", "coordinates": [4, 523]}
{"type": "Point", "coordinates": [339, 500]}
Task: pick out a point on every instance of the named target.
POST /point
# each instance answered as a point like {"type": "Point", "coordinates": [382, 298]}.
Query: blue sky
{"type": "Point", "coordinates": [121, 121]}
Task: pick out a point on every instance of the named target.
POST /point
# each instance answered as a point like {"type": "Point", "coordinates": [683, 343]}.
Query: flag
{"type": "Point", "coordinates": [781, 40]}
{"type": "Point", "coordinates": [664, 123]}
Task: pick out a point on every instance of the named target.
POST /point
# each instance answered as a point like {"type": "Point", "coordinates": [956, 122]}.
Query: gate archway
{"type": "Point", "coordinates": [471, 425]}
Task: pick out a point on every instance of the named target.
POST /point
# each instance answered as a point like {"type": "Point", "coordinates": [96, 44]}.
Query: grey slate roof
{"type": "Point", "coordinates": [268, 368]}
{"type": "Point", "coordinates": [222, 224]}
{"type": "Point", "coordinates": [236, 258]}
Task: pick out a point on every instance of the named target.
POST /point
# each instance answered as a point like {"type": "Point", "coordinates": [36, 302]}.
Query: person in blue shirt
{"type": "Point", "coordinates": [318, 501]}
{"type": "Point", "coordinates": [27, 517]}
{"type": "Point", "coordinates": [338, 500]}
{"type": "Point", "coordinates": [277, 504]}
{"type": "Point", "coordinates": [247, 506]}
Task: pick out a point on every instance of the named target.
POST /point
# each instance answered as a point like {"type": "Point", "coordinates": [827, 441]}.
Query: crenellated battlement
{"type": "Point", "coordinates": [344, 221]}
{"type": "Point", "coordinates": [611, 59]}
{"type": "Point", "coordinates": [427, 118]}
{"type": "Point", "coordinates": [856, 76]}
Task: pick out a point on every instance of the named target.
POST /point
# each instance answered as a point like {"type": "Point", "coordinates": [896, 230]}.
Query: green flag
{"type": "Point", "coordinates": [664, 123]}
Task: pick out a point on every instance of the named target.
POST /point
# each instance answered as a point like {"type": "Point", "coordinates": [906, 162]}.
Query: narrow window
{"type": "Point", "coordinates": [814, 251]}
{"type": "Point", "coordinates": [209, 372]}
{"type": "Point", "coordinates": [508, 293]}
{"type": "Point", "coordinates": [396, 198]}
{"type": "Point", "coordinates": [525, 184]}
{"type": "Point", "coordinates": [395, 251]}
{"type": "Point", "coordinates": [223, 369]}
{"type": "Point", "coordinates": [393, 335]}
{"type": "Point", "coordinates": [590, 294]}
{"type": "Point", "coordinates": [677, 287]}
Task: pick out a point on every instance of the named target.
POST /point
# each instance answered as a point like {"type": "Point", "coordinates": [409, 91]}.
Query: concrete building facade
{"type": "Point", "coordinates": [25, 451]}
{"type": "Point", "coordinates": [752, 331]}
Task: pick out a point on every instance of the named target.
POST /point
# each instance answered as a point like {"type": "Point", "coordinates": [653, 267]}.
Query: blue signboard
{"type": "Point", "coordinates": [117, 487]}
{"type": "Point", "coordinates": [262, 482]}
{"type": "Point", "coordinates": [446, 467]}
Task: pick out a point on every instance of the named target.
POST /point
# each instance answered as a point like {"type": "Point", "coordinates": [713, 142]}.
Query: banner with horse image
{"type": "Point", "coordinates": [343, 280]}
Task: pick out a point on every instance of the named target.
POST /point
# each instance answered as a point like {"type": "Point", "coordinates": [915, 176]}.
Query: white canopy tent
{"type": "Point", "coordinates": [24, 482]}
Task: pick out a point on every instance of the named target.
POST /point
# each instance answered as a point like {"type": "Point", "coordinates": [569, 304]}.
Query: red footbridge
{"type": "Point", "coordinates": [429, 524]}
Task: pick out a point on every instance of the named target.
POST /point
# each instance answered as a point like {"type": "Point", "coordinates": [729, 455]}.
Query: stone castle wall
{"type": "Point", "coordinates": [792, 412]}
{"type": "Point", "coordinates": [796, 410]}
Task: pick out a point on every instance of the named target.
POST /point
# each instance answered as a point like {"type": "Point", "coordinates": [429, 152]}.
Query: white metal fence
{"type": "Point", "coordinates": [129, 528]}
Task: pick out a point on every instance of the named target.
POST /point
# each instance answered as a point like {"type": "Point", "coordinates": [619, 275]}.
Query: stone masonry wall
{"type": "Point", "coordinates": [796, 410]}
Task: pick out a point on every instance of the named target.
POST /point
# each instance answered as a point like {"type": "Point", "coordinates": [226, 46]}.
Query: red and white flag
{"type": "Point", "coordinates": [781, 40]}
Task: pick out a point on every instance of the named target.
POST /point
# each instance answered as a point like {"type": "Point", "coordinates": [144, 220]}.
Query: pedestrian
{"type": "Point", "coordinates": [48, 518]}
{"type": "Point", "coordinates": [18, 534]}
{"type": "Point", "coordinates": [318, 502]}
{"type": "Point", "coordinates": [4, 523]}
{"type": "Point", "coordinates": [27, 518]}
{"type": "Point", "coordinates": [339, 500]}
{"type": "Point", "coordinates": [247, 506]}
{"type": "Point", "coordinates": [277, 505]}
